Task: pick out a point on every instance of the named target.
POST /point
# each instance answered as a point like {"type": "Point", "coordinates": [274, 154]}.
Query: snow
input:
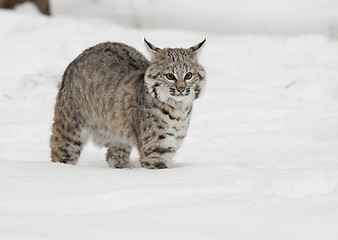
{"type": "Point", "coordinates": [227, 16]}
{"type": "Point", "coordinates": [259, 161]}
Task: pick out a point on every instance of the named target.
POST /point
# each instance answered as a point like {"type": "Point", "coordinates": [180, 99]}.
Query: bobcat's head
{"type": "Point", "coordinates": [175, 74]}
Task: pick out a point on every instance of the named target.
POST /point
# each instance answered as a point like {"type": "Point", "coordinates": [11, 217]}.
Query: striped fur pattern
{"type": "Point", "coordinates": [114, 96]}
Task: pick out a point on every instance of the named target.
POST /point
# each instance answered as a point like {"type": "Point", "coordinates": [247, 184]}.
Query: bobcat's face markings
{"type": "Point", "coordinates": [175, 74]}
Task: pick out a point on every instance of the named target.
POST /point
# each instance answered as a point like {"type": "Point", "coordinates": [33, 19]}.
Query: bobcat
{"type": "Point", "coordinates": [114, 96]}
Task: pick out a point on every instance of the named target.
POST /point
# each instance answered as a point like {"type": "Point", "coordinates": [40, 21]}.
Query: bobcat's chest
{"type": "Point", "coordinates": [171, 125]}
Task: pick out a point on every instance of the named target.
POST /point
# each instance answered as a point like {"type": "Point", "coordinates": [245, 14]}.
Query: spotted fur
{"type": "Point", "coordinates": [114, 96]}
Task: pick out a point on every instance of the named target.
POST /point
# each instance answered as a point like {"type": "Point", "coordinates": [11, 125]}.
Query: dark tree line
{"type": "Point", "coordinates": [42, 5]}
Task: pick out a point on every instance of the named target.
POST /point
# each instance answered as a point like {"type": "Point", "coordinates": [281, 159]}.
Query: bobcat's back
{"type": "Point", "coordinates": [99, 88]}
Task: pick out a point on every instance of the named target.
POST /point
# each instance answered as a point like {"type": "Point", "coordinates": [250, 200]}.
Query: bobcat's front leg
{"type": "Point", "coordinates": [156, 157]}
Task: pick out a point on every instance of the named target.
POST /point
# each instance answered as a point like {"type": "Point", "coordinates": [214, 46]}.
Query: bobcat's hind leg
{"type": "Point", "coordinates": [65, 143]}
{"type": "Point", "coordinates": [119, 156]}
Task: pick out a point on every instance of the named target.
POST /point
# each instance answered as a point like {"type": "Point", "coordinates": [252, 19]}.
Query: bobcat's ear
{"type": "Point", "coordinates": [152, 48]}
{"type": "Point", "coordinates": [196, 49]}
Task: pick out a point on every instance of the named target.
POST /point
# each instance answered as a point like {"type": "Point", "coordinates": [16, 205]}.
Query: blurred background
{"type": "Point", "coordinates": [219, 16]}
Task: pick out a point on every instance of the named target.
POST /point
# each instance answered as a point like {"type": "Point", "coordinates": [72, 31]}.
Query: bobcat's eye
{"type": "Point", "coordinates": [170, 76]}
{"type": "Point", "coordinates": [188, 76]}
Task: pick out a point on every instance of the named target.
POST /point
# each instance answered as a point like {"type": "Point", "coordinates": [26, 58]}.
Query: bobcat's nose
{"type": "Point", "coordinates": [180, 89]}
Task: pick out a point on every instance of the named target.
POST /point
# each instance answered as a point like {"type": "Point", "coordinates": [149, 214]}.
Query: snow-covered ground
{"type": "Point", "coordinates": [260, 161]}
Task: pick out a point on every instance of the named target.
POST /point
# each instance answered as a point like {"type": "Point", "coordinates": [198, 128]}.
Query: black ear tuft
{"type": "Point", "coordinates": [151, 47]}
{"type": "Point", "coordinates": [199, 46]}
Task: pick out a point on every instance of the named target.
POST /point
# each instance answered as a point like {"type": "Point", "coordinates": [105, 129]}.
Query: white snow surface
{"type": "Point", "coordinates": [260, 160]}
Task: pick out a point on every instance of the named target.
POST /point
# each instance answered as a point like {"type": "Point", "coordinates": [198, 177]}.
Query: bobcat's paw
{"type": "Point", "coordinates": [113, 163]}
{"type": "Point", "coordinates": [154, 165]}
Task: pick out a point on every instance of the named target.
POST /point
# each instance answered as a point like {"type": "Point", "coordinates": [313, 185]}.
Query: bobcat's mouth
{"type": "Point", "coordinates": [174, 92]}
